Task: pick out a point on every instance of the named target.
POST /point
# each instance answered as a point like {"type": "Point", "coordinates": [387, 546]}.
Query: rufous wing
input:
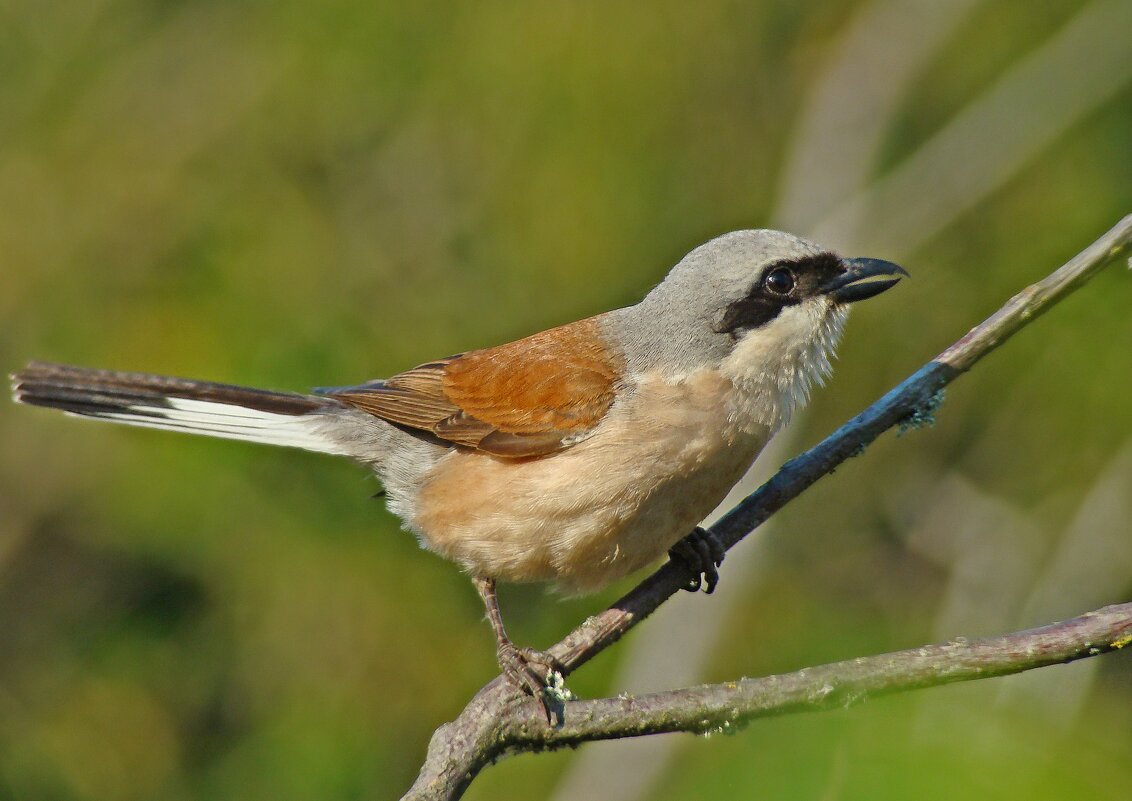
{"type": "Point", "coordinates": [527, 398]}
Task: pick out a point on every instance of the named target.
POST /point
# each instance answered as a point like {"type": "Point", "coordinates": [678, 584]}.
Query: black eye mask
{"type": "Point", "coordinates": [782, 284]}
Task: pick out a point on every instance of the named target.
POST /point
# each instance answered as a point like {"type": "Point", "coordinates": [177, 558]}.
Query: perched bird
{"type": "Point", "coordinates": [574, 456]}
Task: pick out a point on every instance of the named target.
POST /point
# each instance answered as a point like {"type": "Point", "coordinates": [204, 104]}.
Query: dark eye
{"type": "Point", "coordinates": [779, 281]}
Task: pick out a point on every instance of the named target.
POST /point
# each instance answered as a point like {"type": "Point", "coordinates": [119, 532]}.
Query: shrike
{"type": "Point", "coordinates": [574, 456]}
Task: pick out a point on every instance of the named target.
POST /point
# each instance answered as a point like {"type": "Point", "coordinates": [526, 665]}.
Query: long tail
{"type": "Point", "coordinates": [178, 404]}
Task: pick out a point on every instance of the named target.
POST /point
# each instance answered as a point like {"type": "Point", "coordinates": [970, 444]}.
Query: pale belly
{"type": "Point", "coordinates": [601, 509]}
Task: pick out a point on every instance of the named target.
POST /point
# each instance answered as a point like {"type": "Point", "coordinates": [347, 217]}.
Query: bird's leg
{"type": "Point", "coordinates": [702, 553]}
{"type": "Point", "coordinates": [532, 671]}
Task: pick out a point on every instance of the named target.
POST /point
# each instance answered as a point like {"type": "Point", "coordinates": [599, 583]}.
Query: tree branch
{"type": "Point", "coordinates": [725, 707]}
{"type": "Point", "coordinates": [499, 720]}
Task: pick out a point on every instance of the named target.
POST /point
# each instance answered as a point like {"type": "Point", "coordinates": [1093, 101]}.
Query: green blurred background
{"type": "Point", "coordinates": [290, 194]}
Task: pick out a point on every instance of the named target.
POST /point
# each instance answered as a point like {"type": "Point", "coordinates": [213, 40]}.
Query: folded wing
{"type": "Point", "coordinates": [526, 398]}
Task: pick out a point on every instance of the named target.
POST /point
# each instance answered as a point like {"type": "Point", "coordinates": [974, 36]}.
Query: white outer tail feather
{"type": "Point", "coordinates": [227, 421]}
{"type": "Point", "coordinates": [176, 404]}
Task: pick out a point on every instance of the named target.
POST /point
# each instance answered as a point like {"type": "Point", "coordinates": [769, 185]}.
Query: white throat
{"type": "Point", "coordinates": [774, 367]}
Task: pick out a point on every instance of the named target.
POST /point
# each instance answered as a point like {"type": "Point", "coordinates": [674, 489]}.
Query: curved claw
{"type": "Point", "coordinates": [701, 552]}
{"type": "Point", "coordinates": [531, 671]}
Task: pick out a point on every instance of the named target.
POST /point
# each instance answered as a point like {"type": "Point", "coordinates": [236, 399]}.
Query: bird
{"type": "Point", "coordinates": [574, 456]}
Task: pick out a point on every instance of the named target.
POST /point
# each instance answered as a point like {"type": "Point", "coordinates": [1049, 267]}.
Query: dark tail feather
{"type": "Point", "coordinates": [178, 404]}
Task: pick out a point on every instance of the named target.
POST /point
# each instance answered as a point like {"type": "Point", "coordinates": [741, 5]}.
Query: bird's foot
{"type": "Point", "coordinates": [536, 673]}
{"type": "Point", "coordinates": [702, 553]}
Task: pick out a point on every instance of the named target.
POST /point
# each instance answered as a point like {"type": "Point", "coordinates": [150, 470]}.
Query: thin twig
{"type": "Point", "coordinates": [500, 721]}
{"type": "Point", "coordinates": [725, 707]}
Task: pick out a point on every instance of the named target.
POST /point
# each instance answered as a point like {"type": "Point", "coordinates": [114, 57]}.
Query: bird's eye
{"type": "Point", "coordinates": [779, 281]}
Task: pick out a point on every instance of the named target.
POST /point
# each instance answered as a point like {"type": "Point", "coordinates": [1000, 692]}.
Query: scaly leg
{"type": "Point", "coordinates": [527, 668]}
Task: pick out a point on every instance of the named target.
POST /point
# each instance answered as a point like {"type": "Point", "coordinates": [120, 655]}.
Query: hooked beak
{"type": "Point", "coordinates": [856, 282]}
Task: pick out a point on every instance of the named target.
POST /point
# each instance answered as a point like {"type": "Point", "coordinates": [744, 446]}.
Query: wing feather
{"type": "Point", "coordinates": [526, 398]}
